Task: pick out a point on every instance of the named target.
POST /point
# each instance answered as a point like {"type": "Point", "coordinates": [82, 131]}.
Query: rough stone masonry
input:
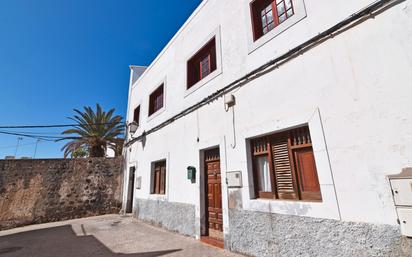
{"type": "Point", "coordinates": [37, 191]}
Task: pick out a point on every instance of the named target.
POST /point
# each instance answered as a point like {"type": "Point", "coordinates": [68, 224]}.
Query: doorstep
{"type": "Point", "coordinates": [212, 241]}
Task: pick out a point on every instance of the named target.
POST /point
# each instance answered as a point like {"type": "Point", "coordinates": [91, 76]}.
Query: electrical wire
{"type": "Point", "coordinates": [51, 126]}
{"type": "Point", "coordinates": [34, 133]}
{"type": "Point", "coordinates": [22, 145]}
{"type": "Point", "coordinates": [44, 138]}
{"type": "Point", "coordinates": [274, 63]}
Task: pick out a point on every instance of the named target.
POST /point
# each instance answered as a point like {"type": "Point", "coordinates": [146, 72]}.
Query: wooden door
{"type": "Point", "coordinates": [129, 203]}
{"type": "Point", "coordinates": [214, 194]}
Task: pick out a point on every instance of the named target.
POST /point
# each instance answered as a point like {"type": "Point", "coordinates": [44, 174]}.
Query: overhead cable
{"type": "Point", "coordinates": [369, 11]}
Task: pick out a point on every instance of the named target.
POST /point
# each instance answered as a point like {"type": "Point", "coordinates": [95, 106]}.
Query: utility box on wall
{"type": "Point", "coordinates": [234, 179]}
{"type": "Point", "coordinates": [191, 173]}
{"type": "Point", "coordinates": [401, 185]}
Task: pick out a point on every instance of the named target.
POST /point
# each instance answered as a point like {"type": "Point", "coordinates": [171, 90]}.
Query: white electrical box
{"type": "Point", "coordinates": [405, 219]}
{"type": "Point", "coordinates": [234, 179]}
{"type": "Point", "coordinates": [402, 191]}
{"type": "Point", "coordinates": [230, 100]}
{"type": "Point", "coordinates": [401, 185]}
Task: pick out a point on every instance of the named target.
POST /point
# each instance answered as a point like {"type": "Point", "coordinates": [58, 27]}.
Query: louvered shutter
{"type": "Point", "coordinates": [157, 180]}
{"type": "Point", "coordinates": [152, 180]}
{"type": "Point", "coordinates": [163, 178]}
{"type": "Point", "coordinates": [285, 180]}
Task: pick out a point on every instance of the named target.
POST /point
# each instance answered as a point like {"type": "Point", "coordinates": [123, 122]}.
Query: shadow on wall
{"type": "Point", "coordinates": [61, 241]}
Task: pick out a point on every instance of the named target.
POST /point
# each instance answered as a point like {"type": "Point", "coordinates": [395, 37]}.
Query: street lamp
{"type": "Point", "coordinates": [133, 127]}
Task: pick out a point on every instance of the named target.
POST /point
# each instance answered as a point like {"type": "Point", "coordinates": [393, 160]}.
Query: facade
{"type": "Point", "coordinates": [276, 158]}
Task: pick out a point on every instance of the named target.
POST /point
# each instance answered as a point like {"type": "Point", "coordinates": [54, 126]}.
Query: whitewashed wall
{"type": "Point", "coordinates": [353, 91]}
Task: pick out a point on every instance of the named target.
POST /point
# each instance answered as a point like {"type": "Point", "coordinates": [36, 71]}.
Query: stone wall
{"type": "Point", "coordinates": [176, 217]}
{"type": "Point", "coordinates": [37, 191]}
{"type": "Point", "coordinates": [264, 234]}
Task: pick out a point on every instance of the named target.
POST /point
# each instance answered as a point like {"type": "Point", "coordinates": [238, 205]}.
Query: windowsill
{"type": "Point", "coordinates": [157, 197]}
{"type": "Point", "coordinates": [286, 200]}
{"type": "Point", "coordinates": [154, 115]}
{"type": "Point", "coordinates": [203, 82]}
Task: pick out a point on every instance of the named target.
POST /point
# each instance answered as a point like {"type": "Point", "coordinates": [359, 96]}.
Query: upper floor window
{"type": "Point", "coordinates": [268, 14]}
{"type": "Point", "coordinates": [284, 166]}
{"type": "Point", "coordinates": [136, 115]}
{"type": "Point", "coordinates": [202, 63]}
{"type": "Point", "coordinates": [156, 100]}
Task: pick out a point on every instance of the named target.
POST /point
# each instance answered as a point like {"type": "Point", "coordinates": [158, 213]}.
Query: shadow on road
{"type": "Point", "coordinates": [63, 242]}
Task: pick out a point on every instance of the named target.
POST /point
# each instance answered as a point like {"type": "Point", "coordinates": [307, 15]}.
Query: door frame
{"type": "Point", "coordinates": [204, 226]}
{"type": "Point", "coordinates": [130, 190]}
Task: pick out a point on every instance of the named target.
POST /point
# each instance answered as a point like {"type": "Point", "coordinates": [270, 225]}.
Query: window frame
{"type": "Point", "coordinates": [194, 63]}
{"type": "Point", "coordinates": [151, 108]}
{"type": "Point", "coordinates": [156, 187]}
{"type": "Point", "coordinates": [137, 120]}
{"type": "Point", "coordinates": [299, 14]}
{"type": "Point", "coordinates": [256, 8]}
{"type": "Point", "coordinates": [297, 181]}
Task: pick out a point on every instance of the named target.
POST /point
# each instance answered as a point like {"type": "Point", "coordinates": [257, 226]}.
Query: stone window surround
{"type": "Point", "coordinates": [300, 14]}
{"type": "Point", "coordinates": [328, 208]}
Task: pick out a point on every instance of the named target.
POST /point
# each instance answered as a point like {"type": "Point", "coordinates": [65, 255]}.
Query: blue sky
{"type": "Point", "coordinates": [65, 54]}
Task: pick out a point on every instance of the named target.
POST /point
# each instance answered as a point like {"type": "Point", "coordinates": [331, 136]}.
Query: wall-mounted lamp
{"type": "Point", "coordinates": [133, 127]}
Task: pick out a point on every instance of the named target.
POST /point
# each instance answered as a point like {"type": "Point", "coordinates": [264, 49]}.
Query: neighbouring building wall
{"type": "Point", "coordinates": [352, 90]}
{"type": "Point", "coordinates": [37, 191]}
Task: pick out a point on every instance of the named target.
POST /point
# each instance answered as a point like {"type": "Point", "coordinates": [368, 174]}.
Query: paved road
{"type": "Point", "coordinates": [105, 236]}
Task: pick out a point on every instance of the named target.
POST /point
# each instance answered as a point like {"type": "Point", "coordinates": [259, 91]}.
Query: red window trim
{"type": "Point", "coordinates": [158, 92]}
{"type": "Point", "coordinates": [209, 68]}
{"type": "Point", "coordinates": [194, 64]}
{"type": "Point", "coordinates": [257, 6]}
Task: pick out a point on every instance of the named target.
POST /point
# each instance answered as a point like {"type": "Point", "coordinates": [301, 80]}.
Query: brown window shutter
{"type": "Point", "coordinates": [163, 178]}
{"type": "Point", "coordinates": [307, 174]}
{"type": "Point", "coordinates": [157, 189]}
{"type": "Point", "coordinates": [283, 169]}
{"type": "Point", "coordinates": [152, 181]}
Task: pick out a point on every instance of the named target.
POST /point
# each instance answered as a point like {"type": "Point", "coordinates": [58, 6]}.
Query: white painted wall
{"type": "Point", "coordinates": [353, 91]}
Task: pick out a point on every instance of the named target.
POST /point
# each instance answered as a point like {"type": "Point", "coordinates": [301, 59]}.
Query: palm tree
{"type": "Point", "coordinates": [94, 131]}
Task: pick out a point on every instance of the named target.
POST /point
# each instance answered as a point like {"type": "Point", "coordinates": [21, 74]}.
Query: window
{"type": "Point", "coordinates": [284, 166]}
{"type": "Point", "coordinates": [268, 14]}
{"type": "Point", "coordinates": [156, 100]}
{"type": "Point", "coordinates": [159, 178]}
{"type": "Point", "coordinates": [136, 115]}
{"type": "Point", "coordinates": [202, 63]}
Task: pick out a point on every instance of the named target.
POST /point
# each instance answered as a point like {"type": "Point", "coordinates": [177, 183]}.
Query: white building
{"type": "Point", "coordinates": [310, 137]}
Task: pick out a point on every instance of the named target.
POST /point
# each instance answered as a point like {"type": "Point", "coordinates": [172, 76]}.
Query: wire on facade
{"type": "Point", "coordinates": [374, 7]}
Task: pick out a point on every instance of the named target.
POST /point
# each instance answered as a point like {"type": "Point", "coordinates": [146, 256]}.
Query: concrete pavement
{"type": "Point", "coordinates": [110, 235]}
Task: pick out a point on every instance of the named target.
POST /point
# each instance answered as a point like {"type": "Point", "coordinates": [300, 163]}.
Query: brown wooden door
{"type": "Point", "coordinates": [306, 167]}
{"type": "Point", "coordinates": [214, 194]}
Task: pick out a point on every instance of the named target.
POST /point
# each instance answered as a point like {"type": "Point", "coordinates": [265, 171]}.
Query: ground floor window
{"type": "Point", "coordinates": [158, 178]}
{"type": "Point", "coordinates": [284, 166]}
